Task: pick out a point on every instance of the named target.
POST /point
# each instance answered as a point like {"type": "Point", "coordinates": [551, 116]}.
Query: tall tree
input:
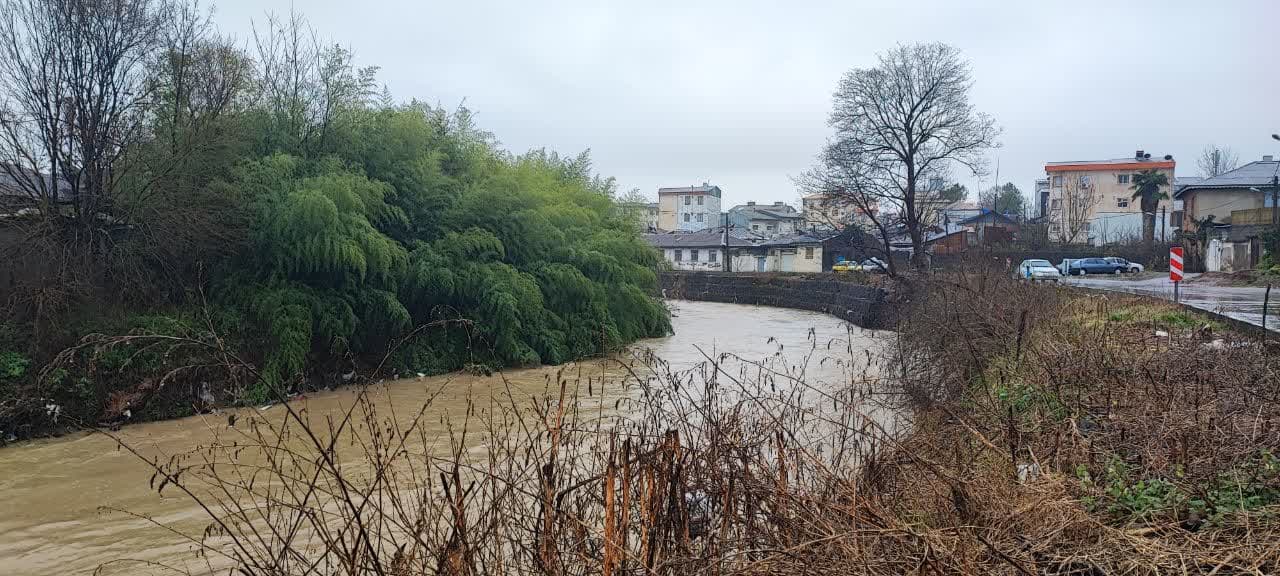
{"type": "Point", "coordinates": [954, 193]}
{"type": "Point", "coordinates": [1072, 209]}
{"type": "Point", "coordinates": [1006, 199]}
{"type": "Point", "coordinates": [1149, 189]}
{"type": "Point", "coordinates": [903, 124]}
{"type": "Point", "coordinates": [1215, 160]}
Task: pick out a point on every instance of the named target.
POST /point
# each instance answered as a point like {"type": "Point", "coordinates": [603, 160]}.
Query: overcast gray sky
{"type": "Point", "coordinates": [737, 93]}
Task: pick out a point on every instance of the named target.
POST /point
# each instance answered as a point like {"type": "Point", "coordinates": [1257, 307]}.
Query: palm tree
{"type": "Point", "coordinates": [1147, 189]}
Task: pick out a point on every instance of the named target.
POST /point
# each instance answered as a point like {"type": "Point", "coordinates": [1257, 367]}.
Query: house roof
{"type": "Point", "coordinates": [693, 240]}
{"type": "Point", "coordinates": [765, 213]}
{"type": "Point", "coordinates": [9, 186]}
{"type": "Point", "coordinates": [1112, 164]}
{"type": "Point", "coordinates": [703, 189]}
{"type": "Point", "coordinates": [792, 239]}
{"type": "Point", "coordinates": [985, 213]}
{"type": "Point", "coordinates": [1251, 175]}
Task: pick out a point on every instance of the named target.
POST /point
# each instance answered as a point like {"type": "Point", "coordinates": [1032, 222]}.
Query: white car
{"type": "Point", "coordinates": [1038, 270]}
{"type": "Point", "coordinates": [1128, 266]}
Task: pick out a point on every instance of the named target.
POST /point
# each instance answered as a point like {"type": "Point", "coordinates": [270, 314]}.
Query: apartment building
{"type": "Point", "coordinates": [830, 212]}
{"type": "Point", "coordinates": [1091, 201]}
{"type": "Point", "coordinates": [766, 220]}
{"type": "Point", "coordinates": [689, 208]}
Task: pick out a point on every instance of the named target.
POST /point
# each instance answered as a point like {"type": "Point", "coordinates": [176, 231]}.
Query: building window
{"type": "Point", "coordinates": [700, 215]}
{"type": "Point", "coordinates": [688, 200]}
{"type": "Point", "coordinates": [1122, 202]}
{"type": "Point", "coordinates": [686, 216]}
{"type": "Point", "coordinates": [1083, 180]}
{"type": "Point", "coordinates": [700, 200]}
{"type": "Point", "coordinates": [1122, 178]}
{"type": "Point", "coordinates": [712, 254]}
{"type": "Point", "coordinates": [769, 227]}
{"type": "Point", "coordinates": [1056, 204]}
{"type": "Point", "coordinates": [755, 227]}
{"type": "Point", "coordinates": [679, 255]}
{"type": "Point", "coordinates": [693, 255]}
{"type": "Point", "coordinates": [808, 253]}
{"type": "Point", "coordinates": [1057, 181]}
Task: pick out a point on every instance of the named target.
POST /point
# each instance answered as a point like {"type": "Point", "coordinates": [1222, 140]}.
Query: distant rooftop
{"type": "Point", "coordinates": [9, 186]}
{"type": "Point", "coordinates": [1110, 164]}
{"type": "Point", "coordinates": [1252, 175]}
{"type": "Point", "coordinates": [703, 189]}
{"type": "Point", "coordinates": [709, 239]}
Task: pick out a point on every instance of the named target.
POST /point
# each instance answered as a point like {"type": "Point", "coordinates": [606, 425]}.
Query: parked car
{"type": "Point", "coordinates": [1038, 270]}
{"type": "Point", "coordinates": [1092, 266]}
{"type": "Point", "coordinates": [874, 265]}
{"type": "Point", "coordinates": [1126, 265]}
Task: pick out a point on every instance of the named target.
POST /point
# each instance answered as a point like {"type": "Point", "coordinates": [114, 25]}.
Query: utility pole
{"type": "Point", "coordinates": [1163, 225]}
{"type": "Point", "coordinates": [724, 252]}
{"type": "Point", "coordinates": [1275, 202]}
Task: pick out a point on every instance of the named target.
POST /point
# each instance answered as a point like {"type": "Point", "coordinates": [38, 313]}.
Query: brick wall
{"type": "Point", "coordinates": [838, 296]}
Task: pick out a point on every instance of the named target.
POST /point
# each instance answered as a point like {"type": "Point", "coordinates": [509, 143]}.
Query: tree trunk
{"type": "Point", "coordinates": [918, 258]}
{"type": "Point", "coordinates": [1148, 220]}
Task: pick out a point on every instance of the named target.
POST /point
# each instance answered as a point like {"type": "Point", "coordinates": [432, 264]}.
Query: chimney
{"type": "Point", "coordinates": [1268, 158]}
{"type": "Point", "coordinates": [1137, 155]}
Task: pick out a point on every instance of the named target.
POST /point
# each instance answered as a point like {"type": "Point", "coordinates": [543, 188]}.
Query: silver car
{"type": "Point", "coordinates": [1038, 270]}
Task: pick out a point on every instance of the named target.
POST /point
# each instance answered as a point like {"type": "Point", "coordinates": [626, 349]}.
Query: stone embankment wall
{"type": "Point", "coordinates": [860, 304]}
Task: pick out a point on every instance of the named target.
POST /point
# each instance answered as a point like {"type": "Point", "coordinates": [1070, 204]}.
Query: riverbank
{"type": "Point", "coordinates": [65, 497]}
{"type": "Point", "coordinates": [1040, 430]}
{"type": "Point", "coordinates": [1069, 432]}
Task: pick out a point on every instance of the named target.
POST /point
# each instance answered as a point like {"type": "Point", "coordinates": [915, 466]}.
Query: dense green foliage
{"type": "Point", "coordinates": [317, 229]}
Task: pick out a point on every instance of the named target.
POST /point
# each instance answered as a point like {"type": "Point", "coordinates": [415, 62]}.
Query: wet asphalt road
{"type": "Point", "coordinates": [1241, 303]}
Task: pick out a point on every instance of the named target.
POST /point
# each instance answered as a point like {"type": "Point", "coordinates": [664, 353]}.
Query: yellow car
{"type": "Point", "coordinates": [846, 266]}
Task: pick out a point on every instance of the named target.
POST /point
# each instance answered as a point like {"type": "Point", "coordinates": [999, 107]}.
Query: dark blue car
{"type": "Point", "coordinates": [1093, 266]}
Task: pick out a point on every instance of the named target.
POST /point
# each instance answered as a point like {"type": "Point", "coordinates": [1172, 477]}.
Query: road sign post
{"type": "Point", "coordinates": [1175, 269]}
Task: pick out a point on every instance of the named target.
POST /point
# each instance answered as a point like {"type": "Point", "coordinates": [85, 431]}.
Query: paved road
{"type": "Point", "coordinates": [1241, 303]}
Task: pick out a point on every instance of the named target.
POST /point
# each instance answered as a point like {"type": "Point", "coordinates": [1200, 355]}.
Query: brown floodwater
{"type": "Point", "coordinates": [79, 503]}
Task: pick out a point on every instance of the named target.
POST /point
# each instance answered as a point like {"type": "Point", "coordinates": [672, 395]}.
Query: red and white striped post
{"type": "Point", "coordinates": [1175, 269]}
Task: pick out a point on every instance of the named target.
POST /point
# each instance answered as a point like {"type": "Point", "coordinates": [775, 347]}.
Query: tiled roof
{"type": "Point", "coordinates": [1251, 175]}
{"type": "Point", "coordinates": [789, 239]}
{"type": "Point", "coordinates": [703, 189]}
{"type": "Point", "coordinates": [1111, 164]}
{"type": "Point", "coordinates": [759, 213]}
{"type": "Point", "coordinates": [693, 240]}
{"type": "Point", "coordinates": [11, 187]}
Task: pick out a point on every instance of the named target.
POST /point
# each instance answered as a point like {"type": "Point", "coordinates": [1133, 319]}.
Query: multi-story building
{"type": "Point", "coordinates": [768, 221]}
{"type": "Point", "coordinates": [711, 250]}
{"type": "Point", "coordinates": [644, 214]}
{"type": "Point", "coordinates": [1091, 201]}
{"type": "Point", "coordinates": [689, 208]}
{"type": "Point", "coordinates": [1042, 197]}
{"type": "Point", "coordinates": [830, 212]}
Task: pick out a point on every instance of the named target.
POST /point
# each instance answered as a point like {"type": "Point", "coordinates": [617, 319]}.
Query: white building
{"type": "Point", "coordinates": [767, 220]}
{"type": "Point", "coordinates": [689, 208]}
{"type": "Point", "coordinates": [706, 251]}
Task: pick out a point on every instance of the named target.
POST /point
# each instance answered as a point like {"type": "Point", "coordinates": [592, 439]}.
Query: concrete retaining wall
{"type": "Point", "coordinates": [859, 304]}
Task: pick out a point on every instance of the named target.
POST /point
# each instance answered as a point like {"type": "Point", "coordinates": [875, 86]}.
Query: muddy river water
{"type": "Point", "coordinates": [60, 499]}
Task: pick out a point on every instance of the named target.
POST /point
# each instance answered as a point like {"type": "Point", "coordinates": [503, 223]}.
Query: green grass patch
{"type": "Point", "coordinates": [1161, 315]}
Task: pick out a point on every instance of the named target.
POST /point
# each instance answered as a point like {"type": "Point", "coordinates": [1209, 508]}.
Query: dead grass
{"type": "Point", "coordinates": [1053, 432]}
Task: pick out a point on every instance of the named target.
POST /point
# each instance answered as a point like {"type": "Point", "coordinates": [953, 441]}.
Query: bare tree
{"type": "Point", "coordinates": [306, 85]}
{"type": "Point", "coordinates": [1078, 198]}
{"type": "Point", "coordinates": [1215, 160]}
{"type": "Point", "coordinates": [901, 124]}
{"type": "Point", "coordinates": [73, 73]}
